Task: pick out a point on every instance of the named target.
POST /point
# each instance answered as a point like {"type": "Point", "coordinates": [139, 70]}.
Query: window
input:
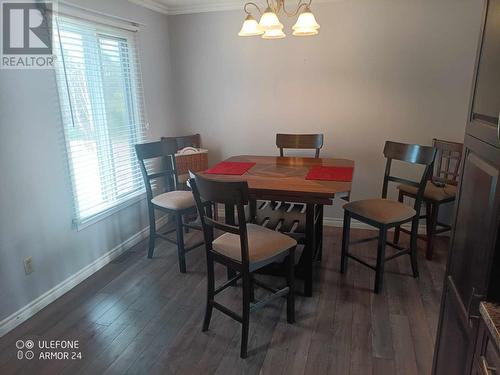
{"type": "Point", "coordinates": [102, 111]}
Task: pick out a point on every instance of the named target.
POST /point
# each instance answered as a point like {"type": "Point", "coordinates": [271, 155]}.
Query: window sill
{"type": "Point", "coordinates": [84, 223]}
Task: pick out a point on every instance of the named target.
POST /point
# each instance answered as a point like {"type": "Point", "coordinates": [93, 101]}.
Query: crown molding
{"type": "Point", "coordinates": [186, 8]}
{"type": "Point", "coordinates": [155, 5]}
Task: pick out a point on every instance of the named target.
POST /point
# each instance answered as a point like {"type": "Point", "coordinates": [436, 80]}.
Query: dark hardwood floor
{"type": "Point", "coordinates": [141, 316]}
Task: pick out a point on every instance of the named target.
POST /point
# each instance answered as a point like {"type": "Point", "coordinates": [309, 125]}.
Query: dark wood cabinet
{"type": "Point", "coordinates": [472, 267]}
{"type": "Point", "coordinates": [474, 261]}
{"type": "Point", "coordinates": [487, 353]}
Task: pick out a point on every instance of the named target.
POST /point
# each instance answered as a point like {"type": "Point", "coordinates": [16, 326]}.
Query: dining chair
{"type": "Point", "coordinates": [192, 140]}
{"type": "Point", "coordinates": [299, 141]}
{"type": "Point", "coordinates": [440, 189]}
{"type": "Point", "coordinates": [177, 203]}
{"type": "Point", "coordinates": [288, 217]}
{"type": "Point", "coordinates": [385, 214]}
{"type": "Point", "coordinates": [243, 248]}
{"type": "Point", "coordinates": [272, 213]}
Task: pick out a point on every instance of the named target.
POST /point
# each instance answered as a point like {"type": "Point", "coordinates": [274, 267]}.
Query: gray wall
{"type": "Point", "coordinates": [35, 192]}
{"type": "Point", "coordinates": [385, 69]}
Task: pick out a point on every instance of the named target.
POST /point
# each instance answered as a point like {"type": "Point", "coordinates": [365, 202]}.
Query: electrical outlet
{"type": "Point", "coordinates": [28, 265]}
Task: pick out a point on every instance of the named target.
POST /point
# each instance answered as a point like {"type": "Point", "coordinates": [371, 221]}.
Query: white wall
{"type": "Point", "coordinates": [385, 69]}
{"type": "Point", "coordinates": [35, 193]}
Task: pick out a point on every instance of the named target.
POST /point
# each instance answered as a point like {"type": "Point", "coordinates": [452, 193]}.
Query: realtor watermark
{"type": "Point", "coordinates": [48, 350]}
{"type": "Point", "coordinates": [27, 34]}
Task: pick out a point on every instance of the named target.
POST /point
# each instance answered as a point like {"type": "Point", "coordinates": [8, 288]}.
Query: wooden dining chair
{"type": "Point", "coordinates": [282, 215]}
{"type": "Point", "coordinates": [177, 203]}
{"type": "Point", "coordinates": [192, 140]}
{"type": "Point", "coordinates": [244, 248]}
{"type": "Point", "coordinates": [299, 141]}
{"type": "Point", "coordinates": [288, 217]}
{"type": "Point", "coordinates": [385, 214]}
{"type": "Point", "coordinates": [441, 189]}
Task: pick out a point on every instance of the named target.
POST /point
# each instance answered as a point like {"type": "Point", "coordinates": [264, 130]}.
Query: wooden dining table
{"type": "Point", "coordinates": [283, 179]}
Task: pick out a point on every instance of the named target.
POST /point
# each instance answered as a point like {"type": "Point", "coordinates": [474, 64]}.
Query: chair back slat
{"type": "Point", "coordinates": [226, 192]}
{"type": "Point", "coordinates": [164, 150]}
{"type": "Point", "coordinates": [449, 159]}
{"type": "Point", "coordinates": [413, 154]}
{"type": "Point", "coordinates": [299, 141]}
{"type": "Point", "coordinates": [409, 153]}
{"type": "Point", "coordinates": [193, 140]}
{"type": "Point", "coordinates": [207, 191]}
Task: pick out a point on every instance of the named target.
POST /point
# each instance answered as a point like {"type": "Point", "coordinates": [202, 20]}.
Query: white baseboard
{"type": "Point", "coordinates": [26, 312]}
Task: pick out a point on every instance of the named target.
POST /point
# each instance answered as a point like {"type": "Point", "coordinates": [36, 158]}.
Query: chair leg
{"type": "Point", "coordinates": [413, 246]}
{"type": "Point", "coordinates": [397, 230]}
{"type": "Point", "coordinates": [345, 242]}
{"type": "Point", "coordinates": [180, 243]}
{"type": "Point", "coordinates": [432, 216]}
{"type": "Point", "coordinates": [379, 275]}
{"type": "Point", "coordinates": [152, 232]}
{"type": "Point", "coordinates": [252, 288]}
{"type": "Point", "coordinates": [210, 293]}
{"type": "Point", "coordinates": [246, 314]}
{"type": "Point", "coordinates": [231, 220]}
{"type": "Point", "coordinates": [290, 300]}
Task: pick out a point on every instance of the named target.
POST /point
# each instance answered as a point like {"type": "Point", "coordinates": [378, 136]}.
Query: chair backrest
{"type": "Point", "coordinates": [300, 141]}
{"type": "Point", "coordinates": [193, 140]}
{"type": "Point", "coordinates": [235, 194]}
{"type": "Point", "coordinates": [165, 151]}
{"type": "Point", "coordinates": [413, 154]}
{"type": "Point", "coordinates": [448, 160]}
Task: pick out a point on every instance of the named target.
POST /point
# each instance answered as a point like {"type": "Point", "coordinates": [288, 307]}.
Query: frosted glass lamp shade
{"type": "Point", "coordinates": [305, 32]}
{"type": "Point", "coordinates": [306, 24]}
{"type": "Point", "coordinates": [274, 34]}
{"type": "Point", "coordinates": [270, 21]}
{"type": "Point", "coordinates": [250, 27]}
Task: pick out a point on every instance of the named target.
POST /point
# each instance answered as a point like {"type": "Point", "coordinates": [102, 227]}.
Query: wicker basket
{"type": "Point", "coordinates": [192, 161]}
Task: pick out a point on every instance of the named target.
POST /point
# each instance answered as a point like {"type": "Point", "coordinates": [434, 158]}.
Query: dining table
{"type": "Point", "coordinates": [274, 180]}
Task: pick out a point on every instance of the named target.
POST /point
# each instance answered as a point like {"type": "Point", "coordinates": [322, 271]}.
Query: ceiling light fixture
{"type": "Point", "coordinates": [270, 27]}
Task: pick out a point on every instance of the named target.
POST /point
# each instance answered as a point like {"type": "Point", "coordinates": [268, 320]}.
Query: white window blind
{"type": "Point", "coordinates": [101, 100]}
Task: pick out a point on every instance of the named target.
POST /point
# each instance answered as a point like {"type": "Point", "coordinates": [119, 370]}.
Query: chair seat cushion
{"type": "Point", "coordinates": [383, 211]}
{"type": "Point", "coordinates": [263, 243]}
{"type": "Point", "coordinates": [174, 200]}
{"type": "Point", "coordinates": [432, 192]}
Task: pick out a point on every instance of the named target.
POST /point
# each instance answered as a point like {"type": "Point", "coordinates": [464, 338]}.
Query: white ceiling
{"type": "Point", "coordinates": [199, 6]}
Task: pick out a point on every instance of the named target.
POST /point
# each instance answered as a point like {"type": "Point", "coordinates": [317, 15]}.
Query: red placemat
{"type": "Point", "coordinates": [330, 173]}
{"type": "Point", "coordinates": [230, 167]}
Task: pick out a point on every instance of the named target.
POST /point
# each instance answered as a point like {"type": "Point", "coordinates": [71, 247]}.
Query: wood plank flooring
{"type": "Point", "coordinates": [141, 316]}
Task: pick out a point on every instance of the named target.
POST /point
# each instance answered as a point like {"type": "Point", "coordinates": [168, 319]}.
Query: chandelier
{"type": "Point", "coordinates": [270, 27]}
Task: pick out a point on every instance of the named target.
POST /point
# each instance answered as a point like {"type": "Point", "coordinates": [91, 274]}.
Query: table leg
{"type": "Point", "coordinates": [230, 219]}
{"type": "Point", "coordinates": [319, 232]}
{"type": "Point", "coordinates": [252, 204]}
{"type": "Point", "coordinates": [309, 249]}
